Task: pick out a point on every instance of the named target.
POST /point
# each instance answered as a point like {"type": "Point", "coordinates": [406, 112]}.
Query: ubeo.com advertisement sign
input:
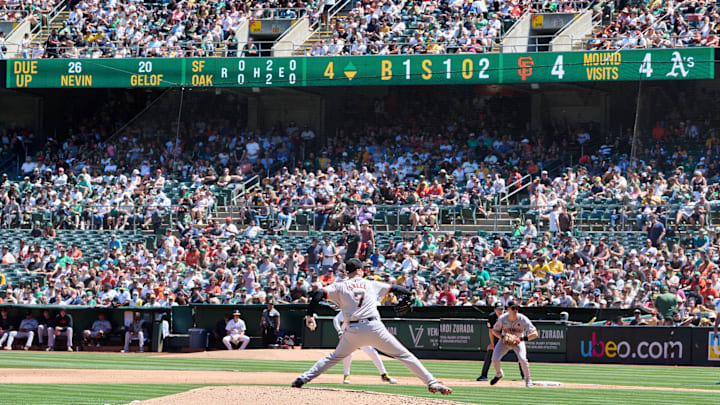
{"type": "Point", "coordinates": [629, 345]}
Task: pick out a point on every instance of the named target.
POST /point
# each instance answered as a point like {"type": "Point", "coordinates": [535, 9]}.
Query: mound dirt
{"type": "Point", "coordinates": [263, 395]}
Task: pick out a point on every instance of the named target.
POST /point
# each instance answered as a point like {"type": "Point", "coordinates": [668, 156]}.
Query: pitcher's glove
{"type": "Point", "coordinates": [404, 306]}
{"type": "Point", "coordinates": [510, 340]}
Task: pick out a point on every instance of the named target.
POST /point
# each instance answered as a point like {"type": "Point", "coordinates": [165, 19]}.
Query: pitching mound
{"type": "Point", "coordinates": [259, 395]}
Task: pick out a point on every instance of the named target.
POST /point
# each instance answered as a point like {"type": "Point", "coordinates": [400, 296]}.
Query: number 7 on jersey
{"type": "Point", "coordinates": [359, 296]}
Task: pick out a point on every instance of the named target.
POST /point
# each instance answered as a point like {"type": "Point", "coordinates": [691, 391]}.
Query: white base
{"type": "Point", "coordinates": [547, 383]}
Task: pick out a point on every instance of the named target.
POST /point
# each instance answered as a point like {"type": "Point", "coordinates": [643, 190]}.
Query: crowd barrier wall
{"type": "Point", "coordinates": [435, 332]}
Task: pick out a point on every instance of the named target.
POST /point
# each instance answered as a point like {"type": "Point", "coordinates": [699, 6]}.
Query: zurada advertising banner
{"type": "Point", "coordinates": [629, 345]}
{"type": "Point", "coordinates": [468, 335]}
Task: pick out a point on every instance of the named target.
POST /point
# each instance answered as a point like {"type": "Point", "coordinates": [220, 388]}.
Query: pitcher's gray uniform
{"type": "Point", "coordinates": [357, 299]}
{"type": "Point", "coordinates": [520, 327]}
{"type": "Point", "coordinates": [340, 327]}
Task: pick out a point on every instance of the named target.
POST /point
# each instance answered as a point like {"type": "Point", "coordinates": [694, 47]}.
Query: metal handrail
{"type": "Point", "coordinates": [448, 215]}
{"type": "Point", "coordinates": [38, 29]}
{"type": "Point", "coordinates": [331, 14]}
{"type": "Point", "coordinates": [578, 5]}
{"type": "Point", "coordinates": [221, 48]}
{"type": "Point", "coordinates": [245, 187]}
{"type": "Point", "coordinates": [524, 185]}
{"type": "Point", "coordinates": [22, 11]}
{"type": "Point", "coordinates": [300, 11]}
{"type": "Point", "coordinates": [218, 49]}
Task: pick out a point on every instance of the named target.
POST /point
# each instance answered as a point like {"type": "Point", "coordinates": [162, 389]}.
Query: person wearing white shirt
{"type": "Point", "coordinates": [253, 230]}
{"type": "Point", "coordinates": [61, 178]}
{"type": "Point", "coordinates": [28, 166]}
{"type": "Point", "coordinates": [307, 134]}
{"type": "Point", "coordinates": [229, 228]}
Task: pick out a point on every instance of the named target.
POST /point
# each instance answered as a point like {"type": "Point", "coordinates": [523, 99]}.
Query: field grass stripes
{"type": "Point", "coordinates": [668, 377]}
{"type": "Point", "coordinates": [85, 393]}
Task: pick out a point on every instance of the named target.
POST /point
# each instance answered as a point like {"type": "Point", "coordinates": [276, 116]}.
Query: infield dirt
{"type": "Point", "coordinates": [254, 385]}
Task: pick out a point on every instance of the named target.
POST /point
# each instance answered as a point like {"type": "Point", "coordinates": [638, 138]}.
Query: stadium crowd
{"type": "Point", "coordinates": [660, 25]}
{"type": "Point", "coordinates": [416, 164]}
{"type": "Point", "coordinates": [173, 29]}
{"type": "Point", "coordinates": [35, 11]}
{"type": "Point", "coordinates": [167, 29]}
{"type": "Point", "coordinates": [429, 27]}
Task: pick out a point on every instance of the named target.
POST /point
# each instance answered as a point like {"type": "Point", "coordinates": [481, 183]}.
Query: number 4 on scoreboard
{"type": "Point", "coordinates": [646, 66]}
{"type": "Point", "coordinates": [329, 71]}
{"type": "Point", "coordinates": [557, 69]}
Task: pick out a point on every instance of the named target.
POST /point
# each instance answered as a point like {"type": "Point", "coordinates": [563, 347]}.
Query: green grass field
{"type": "Point", "coordinates": [648, 376]}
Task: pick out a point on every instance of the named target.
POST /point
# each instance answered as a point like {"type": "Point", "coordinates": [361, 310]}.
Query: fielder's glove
{"type": "Point", "coordinates": [510, 340]}
{"type": "Point", "coordinates": [310, 323]}
{"type": "Point", "coordinates": [404, 306]}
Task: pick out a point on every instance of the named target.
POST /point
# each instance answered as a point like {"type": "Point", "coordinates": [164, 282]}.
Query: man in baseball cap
{"type": "Point", "coordinates": [498, 310]}
{"type": "Point", "coordinates": [512, 330]}
{"type": "Point", "coordinates": [235, 329]}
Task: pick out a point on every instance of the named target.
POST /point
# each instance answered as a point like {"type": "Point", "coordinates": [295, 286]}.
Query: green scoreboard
{"type": "Point", "coordinates": [499, 68]}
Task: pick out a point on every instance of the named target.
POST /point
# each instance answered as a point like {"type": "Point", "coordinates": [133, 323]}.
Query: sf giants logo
{"type": "Point", "coordinates": [525, 64]}
{"type": "Point", "coordinates": [416, 337]}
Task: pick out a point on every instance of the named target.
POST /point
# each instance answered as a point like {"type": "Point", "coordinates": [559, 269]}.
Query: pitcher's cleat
{"type": "Point", "coordinates": [388, 379]}
{"type": "Point", "coordinates": [298, 383]}
{"type": "Point", "coordinates": [346, 379]}
{"type": "Point", "coordinates": [528, 383]}
{"type": "Point", "coordinates": [495, 380]}
{"type": "Point", "coordinates": [437, 386]}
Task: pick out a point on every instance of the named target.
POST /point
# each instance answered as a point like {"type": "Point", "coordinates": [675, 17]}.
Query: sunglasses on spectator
{"type": "Point", "coordinates": [514, 308]}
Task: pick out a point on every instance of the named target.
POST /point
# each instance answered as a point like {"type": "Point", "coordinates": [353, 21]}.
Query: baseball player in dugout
{"type": "Point", "coordinates": [357, 299]}
{"type": "Point", "coordinates": [236, 333]}
{"type": "Point", "coordinates": [512, 330]}
{"type": "Point", "coordinates": [25, 330]}
{"type": "Point", "coordinates": [499, 309]}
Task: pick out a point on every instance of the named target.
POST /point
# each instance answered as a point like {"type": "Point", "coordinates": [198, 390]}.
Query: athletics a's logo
{"type": "Point", "coordinates": [416, 334]}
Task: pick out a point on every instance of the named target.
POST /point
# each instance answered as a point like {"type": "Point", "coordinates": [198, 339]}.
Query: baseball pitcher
{"type": "Point", "coordinates": [512, 331]}
{"type": "Point", "coordinates": [340, 327]}
{"type": "Point", "coordinates": [357, 299]}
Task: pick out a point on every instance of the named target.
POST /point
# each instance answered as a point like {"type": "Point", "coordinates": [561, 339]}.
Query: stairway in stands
{"type": "Point", "coordinates": [322, 35]}
{"type": "Point", "coordinates": [582, 45]}
{"type": "Point", "coordinates": [55, 23]}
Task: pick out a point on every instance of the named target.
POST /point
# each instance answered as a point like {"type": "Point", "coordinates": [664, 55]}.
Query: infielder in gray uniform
{"type": "Point", "coordinates": [26, 330]}
{"type": "Point", "coordinates": [357, 298]}
{"type": "Point", "coordinates": [512, 329]}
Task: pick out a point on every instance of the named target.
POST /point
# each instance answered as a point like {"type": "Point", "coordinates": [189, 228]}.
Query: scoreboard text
{"type": "Point", "coordinates": [654, 64]}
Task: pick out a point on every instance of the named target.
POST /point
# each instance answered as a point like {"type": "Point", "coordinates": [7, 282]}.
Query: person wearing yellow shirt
{"type": "Point", "coordinates": [541, 268]}
{"type": "Point", "coordinates": [556, 267]}
{"type": "Point", "coordinates": [403, 278]}
{"type": "Point", "coordinates": [454, 264]}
